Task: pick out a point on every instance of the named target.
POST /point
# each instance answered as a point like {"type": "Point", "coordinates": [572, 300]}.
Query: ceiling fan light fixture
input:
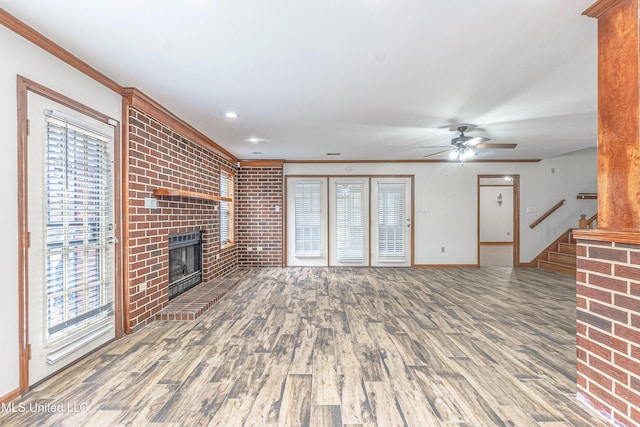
{"type": "Point", "coordinates": [464, 147]}
{"type": "Point", "coordinates": [467, 153]}
{"type": "Point", "coordinates": [462, 153]}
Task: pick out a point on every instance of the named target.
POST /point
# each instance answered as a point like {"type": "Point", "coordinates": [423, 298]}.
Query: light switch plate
{"type": "Point", "coordinates": [150, 203]}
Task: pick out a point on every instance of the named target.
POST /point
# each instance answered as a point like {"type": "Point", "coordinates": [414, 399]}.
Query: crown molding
{"type": "Point", "coordinates": [416, 161]}
{"type": "Point", "coordinates": [258, 163]}
{"type": "Point", "coordinates": [600, 7]}
{"type": "Point", "coordinates": [134, 98]}
{"type": "Point", "coordinates": [33, 36]}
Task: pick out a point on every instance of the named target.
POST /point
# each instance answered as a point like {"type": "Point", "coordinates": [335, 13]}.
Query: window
{"type": "Point", "coordinates": [307, 219]}
{"type": "Point", "coordinates": [350, 221]}
{"type": "Point", "coordinates": [226, 209]}
{"type": "Point", "coordinates": [391, 243]}
{"type": "Point", "coordinates": [79, 226]}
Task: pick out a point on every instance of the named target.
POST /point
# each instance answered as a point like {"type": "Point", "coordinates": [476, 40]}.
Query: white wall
{"type": "Point", "coordinates": [446, 200]}
{"type": "Point", "coordinates": [23, 58]}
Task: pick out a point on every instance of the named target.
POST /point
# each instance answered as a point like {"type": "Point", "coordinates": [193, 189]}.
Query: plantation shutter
{"type": "Point", "coordinates": [391, 240]}
{"type": "Point", "coordinates": [350, 221]}
{"type": "Point", "coordinates": [307, 219]}
{"type": "Point", "coordinates": [78, 234]}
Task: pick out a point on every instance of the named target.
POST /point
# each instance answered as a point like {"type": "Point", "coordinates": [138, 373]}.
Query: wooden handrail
{"type": "Point", "coordinates": [584, 223]}
{"type": "Point", "coordinates": [587, 196]}
{"type": "Point", "coordinates": [547, 213]}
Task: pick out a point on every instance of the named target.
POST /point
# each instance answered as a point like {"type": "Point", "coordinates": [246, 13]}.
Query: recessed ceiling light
{"type": "Point", "coordinates": [255, 140]}
{"type": "Point", "coordinates": [231, 115]}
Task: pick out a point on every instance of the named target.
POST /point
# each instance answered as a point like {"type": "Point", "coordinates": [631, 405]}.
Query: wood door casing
{"type": "Point", "coordinates": [511, 243]}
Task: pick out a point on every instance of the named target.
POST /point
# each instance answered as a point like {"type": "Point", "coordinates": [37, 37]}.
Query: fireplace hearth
{"type": "Point", "coordinates": [185, 262]}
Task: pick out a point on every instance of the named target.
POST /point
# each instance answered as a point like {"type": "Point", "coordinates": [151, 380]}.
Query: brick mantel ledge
{"type": "Point", "coordinates": [630, 236]}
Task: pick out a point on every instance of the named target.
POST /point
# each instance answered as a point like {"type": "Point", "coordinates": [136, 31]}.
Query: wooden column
{"type": "Point", "coordinates": [608, 257]}
{"type": "Point", "coordinates": [618, 113]}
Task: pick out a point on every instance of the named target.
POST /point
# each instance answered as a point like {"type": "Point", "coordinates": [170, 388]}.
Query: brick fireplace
{"type": "Point", "coordinates": [162, 151]}
{"type": "Point", "coordinates": [185, 262]}
{"type": "Point", "coordinates": [161, 157]}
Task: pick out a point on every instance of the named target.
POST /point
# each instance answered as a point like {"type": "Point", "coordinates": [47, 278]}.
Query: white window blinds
{"type": "Point", "coordinates": [350, 221]}
{"type": "Point", "coordinates": [391, 240]}
{"type": "Point", "coordinates": [226, 209]}
{"type": "Point", "coordinates": [307, 218]}
{"type": "Point", "coordinates": [79, 230]}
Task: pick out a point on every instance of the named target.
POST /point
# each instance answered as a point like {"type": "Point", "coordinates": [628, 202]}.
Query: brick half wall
{"type": "Point", "coordinates": [608, 329]}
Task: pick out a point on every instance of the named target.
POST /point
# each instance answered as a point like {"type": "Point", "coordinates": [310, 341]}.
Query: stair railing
{"type": "Point", "coordinates": [547, 213]}
{"type": "Point", "coordinates": [585, 223]}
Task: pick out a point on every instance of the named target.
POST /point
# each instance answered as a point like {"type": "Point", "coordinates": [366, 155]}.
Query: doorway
{"type": "Point", "coordinates": [69, 212]}
{"type": "Point", "coordinates": [391, 222]}
{"type": "Point", "coordinates": [349, 222]}
{"type": "Point", "coordinates": [498, 220]}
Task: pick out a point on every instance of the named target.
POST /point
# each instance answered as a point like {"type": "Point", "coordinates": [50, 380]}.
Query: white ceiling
{"type": "Point", "coordinates": [371, 79]}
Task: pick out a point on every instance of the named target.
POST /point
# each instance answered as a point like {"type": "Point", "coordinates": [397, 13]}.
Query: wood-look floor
{"type": "Point", "coordinates": [332, 347]}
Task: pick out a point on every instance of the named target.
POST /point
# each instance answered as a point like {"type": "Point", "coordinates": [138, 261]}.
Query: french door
{"type": "Point", "coordinates": [349, 221]}
{"type": "Point", "coordinates": [307, 222]}
{"type": "Point", "coordinates": [71, 227]}
{"type": "Point", "coordinates": [391, 222]}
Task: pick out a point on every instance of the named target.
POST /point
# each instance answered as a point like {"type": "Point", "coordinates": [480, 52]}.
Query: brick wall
{"type": "Point", "coordinates": [608, 329]}
{"type": "Point", "coordinates": [259, 219]}
{"type": "Point", "coordinates": [160, 157]}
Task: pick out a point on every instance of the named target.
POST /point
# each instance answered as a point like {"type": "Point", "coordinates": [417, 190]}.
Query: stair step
{"type": "Point", "coordinates": [558, 268]}
{"type": "Point", "coordinates": [560, 258]}
{"type": "Point", "coordinates": [567, 248]}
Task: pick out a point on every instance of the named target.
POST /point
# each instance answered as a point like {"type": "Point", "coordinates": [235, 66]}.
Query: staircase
{"type": "Point", "coordinates": [561, 256]}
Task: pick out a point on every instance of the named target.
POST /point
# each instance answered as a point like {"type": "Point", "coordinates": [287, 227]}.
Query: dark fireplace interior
{"type": "Point", "coordinates": [185, 262]}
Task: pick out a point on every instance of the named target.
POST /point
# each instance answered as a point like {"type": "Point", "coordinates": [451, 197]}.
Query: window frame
{"type": "Point", "coordinates": [78, 170]}
{"type": "Point", "coordinates": [308, 194]}
{"type": "Point", "coordinates": [391, 214]}
{"type": "Point", "coordinates": [227, 189]}
{"type": "Point", "coordinates": [350, 224]}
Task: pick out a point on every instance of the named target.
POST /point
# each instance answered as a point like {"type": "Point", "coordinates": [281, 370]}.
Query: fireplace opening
{"type": "Point", "coordinates": [185, 262]}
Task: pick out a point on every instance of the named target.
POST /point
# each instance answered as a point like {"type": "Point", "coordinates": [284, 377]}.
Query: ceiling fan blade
{"type": "Point", "coordinates": [485, 145]}
{"type": "Point", "coordinates": [433, 154]}
{"type": "Point", "coordinates": [477, 140]}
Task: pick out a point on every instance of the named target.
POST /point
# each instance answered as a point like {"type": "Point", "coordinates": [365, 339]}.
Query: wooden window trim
{"type": "Point", "coordinates": [230, 203]}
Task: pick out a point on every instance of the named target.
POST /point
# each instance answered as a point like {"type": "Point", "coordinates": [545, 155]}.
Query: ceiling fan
{"type": "Point", "coordinates": [465, 147]}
